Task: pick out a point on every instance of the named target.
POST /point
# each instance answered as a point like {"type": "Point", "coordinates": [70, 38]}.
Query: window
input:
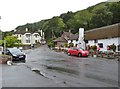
{"type": "Point", "coordinates": [36, 36]}
{"type": "Point", "coordinates": [74, 48]}
{"type": "Point", "coordinates": [95, 41]}
{"type": "Point", "coordinates": [35, 41]}
{"type": "Point", "coordinates": [28, 35]}
{"type": "Point", "coordinates": [19, 41]}
{"type": "Point", "coordinates": [86, 41]}
{"type": "Point", "coordinates": [27, 41]}
{"type": "Point", "coordinates": [100, 45]}
{"type": "Point", "coordinates": [119, 47]}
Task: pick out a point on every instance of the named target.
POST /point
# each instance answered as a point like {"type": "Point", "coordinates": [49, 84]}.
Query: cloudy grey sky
{"type": "Point", "coordinates": [19, 12]}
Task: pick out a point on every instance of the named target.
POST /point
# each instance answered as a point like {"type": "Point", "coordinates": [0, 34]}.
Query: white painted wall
{"type": "Point", "coordinates": [73, 41]}
{"type": "Point", "coordinates": [81, 43]}
{"type": "Point", "coordinates": [105, 42]}
{"type": "Point", "coordinates": [69, 41]}
{"type": "Point", "coordinates": [32, 38]}
{"type": "Point", "coordinates": [108, 42]}
{"type": "Point", "coordinates": [91, 42]}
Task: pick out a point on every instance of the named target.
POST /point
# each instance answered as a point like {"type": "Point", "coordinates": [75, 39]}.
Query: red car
{"type": "Point", "coordinates": [78, 52]}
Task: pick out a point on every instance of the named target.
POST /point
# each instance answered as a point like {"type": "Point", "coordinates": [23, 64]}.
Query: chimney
{"type": "Point", "coordinates": [14, 30]}
{"type": "Point", "coordinates": [26, 29]}
{"type": "Point", "coordinates": [70, 31]}
{"type": "Point", "coordinates": [41, 33]}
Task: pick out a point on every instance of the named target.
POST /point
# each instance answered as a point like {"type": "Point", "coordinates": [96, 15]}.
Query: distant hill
{"type": "Point", "coordinates": [102, 14]}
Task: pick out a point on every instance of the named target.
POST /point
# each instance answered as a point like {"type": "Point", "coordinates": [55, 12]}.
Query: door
{"type": "Point", "coordinates": [75, 51]}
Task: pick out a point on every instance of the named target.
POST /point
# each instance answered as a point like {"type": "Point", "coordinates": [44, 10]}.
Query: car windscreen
{"type": "Point", "coordinates": [81, 49]}
{"type": "Point", "coordinates": [14, 51]}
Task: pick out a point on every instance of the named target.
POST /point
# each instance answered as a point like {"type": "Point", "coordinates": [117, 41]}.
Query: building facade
{"type": "Point", "coordinates": [104, 36]}
{"type": "Point", "coordinates": [66, 37]}
{"type": "Point", "coordinates": [30, 38]}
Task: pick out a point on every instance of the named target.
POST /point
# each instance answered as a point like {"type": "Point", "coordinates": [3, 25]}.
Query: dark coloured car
{"type": "Point", "coordinates": [17, 54]}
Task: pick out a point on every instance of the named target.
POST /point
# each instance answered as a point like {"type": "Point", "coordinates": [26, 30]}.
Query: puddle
{"type": "Point", "coordinates": [60, 69]}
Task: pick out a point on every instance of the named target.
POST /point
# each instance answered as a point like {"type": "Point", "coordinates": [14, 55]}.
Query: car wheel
{"type": "Point", "coordinates": [24, 61]}
{"type": "Point", "coordinates": [79, 55]}
{"type": "Point", "coordinates": [69, 54]}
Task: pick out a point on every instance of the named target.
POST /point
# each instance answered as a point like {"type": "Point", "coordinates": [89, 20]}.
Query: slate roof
{"type": "Point", "coordinates": [24, 31]}
{"type": "Point", "coordinates": [67, 36]}
{"type": "Point", "coordinates": [60, 39]}
{"type": "Point", "coordinates": [74, 37]}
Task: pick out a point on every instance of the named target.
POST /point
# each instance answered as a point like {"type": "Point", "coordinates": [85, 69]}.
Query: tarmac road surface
{"type": "Point", "coordinates": [47, 68]}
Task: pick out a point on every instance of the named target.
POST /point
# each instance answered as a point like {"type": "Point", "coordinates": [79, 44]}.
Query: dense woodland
{"type": "Point", "coordinates": [102, 14]}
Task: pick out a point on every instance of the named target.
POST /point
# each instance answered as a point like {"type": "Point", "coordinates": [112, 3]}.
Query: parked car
{"type": "Point", "coordinates": [17, 54]}
{"type": "Point", "coordinates": [78, 52]}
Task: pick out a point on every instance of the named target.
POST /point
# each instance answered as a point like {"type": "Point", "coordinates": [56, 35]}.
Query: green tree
{"type": "Point", "coordinates": [11, 41]}
{"type": "Point", "coordinates": [1, 42]}
{"type": "Point", "coordinates": [66, 45]}
{"type": "Point", "coordinates": [102, 17]}
{"type": "Point", "coordinates": [115, 9]}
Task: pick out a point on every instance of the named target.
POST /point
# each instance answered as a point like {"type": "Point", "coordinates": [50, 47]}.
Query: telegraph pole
{"type": "Point", "coordinates": [4, 46]}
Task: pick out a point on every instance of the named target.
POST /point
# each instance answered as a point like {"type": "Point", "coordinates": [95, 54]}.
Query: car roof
{"type": "Point", "coordinates": [12, 49]}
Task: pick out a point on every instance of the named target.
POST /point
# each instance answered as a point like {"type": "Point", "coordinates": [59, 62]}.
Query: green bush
{"type": "Point", "coordinates": [94, 47]}
{"type": "Point", "coordinates": [71, 44]}
{"type": "Point", "coordinates": [66, 45]}
{"type": "Point", "coordinates": [50, 44]}
{"type": "Point", "coordinates": [113, 47]}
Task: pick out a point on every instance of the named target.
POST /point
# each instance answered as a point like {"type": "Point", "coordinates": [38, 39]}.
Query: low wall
{"type": "Point", "coordinates": [4, 59]}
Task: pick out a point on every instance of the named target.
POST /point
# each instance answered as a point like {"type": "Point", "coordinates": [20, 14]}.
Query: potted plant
{"type": "Point", "coordinates": [113, 47]}
{"type": "Point", "coordinates": [94, 47]}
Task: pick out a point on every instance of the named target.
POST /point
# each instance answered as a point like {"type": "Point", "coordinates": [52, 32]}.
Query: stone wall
{"type": "Point", "coordinates": [4, 59]}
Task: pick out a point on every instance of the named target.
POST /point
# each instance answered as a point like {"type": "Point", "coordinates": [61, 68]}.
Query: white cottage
{"type": "Point", "coordinates": [30, 38]}
{"type": "Point", "coordinates": [104, 36]}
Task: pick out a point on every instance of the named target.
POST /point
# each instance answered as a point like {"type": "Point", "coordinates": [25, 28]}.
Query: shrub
{"type": "Point", "coordinates": [113, 47]}
{"type": "Point", "coordinates": [66, 45]}
{"type": "Point", "coordinates": [50, 44]}
{"type": "Point", "coordinates": [94, 47]}
{"type": "Point", "coordinates": [71, 44]}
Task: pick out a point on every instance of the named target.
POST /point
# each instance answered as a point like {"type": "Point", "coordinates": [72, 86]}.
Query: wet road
{"type": "Point", "coordinates": [47, 68]}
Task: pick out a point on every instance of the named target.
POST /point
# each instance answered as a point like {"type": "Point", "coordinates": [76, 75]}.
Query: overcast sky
{"type": "Point", "coordinates": [19, 12]}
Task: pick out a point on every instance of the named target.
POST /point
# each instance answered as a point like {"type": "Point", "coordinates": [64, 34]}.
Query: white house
{"type": "Point", "coordinates": [30, 38]}
{"type": "Point", "coordinates": [104, 36]}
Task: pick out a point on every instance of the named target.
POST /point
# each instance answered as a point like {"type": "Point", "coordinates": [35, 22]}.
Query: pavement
{"type": "Point", "coordinates": [47, 68]}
